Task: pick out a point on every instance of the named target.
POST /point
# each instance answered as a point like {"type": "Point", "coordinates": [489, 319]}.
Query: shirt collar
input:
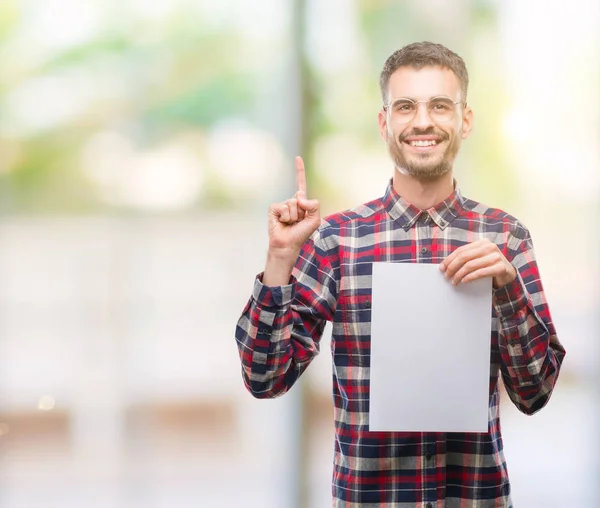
{"type": "Point", "coordinates": [407, 215]}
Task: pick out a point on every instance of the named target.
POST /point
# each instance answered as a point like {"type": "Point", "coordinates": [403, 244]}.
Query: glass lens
{"type": "Point", "coordinates": [403, 110]}
{"type": "Point", "coordinates": [441, 109]}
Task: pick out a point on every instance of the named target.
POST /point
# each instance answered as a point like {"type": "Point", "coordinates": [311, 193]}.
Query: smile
{"type": "Point", "coordinates": [430, 142]}
{"type": "Point", "coordinates": [423, 144]}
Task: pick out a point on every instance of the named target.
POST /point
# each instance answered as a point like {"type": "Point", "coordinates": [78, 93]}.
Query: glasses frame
{"type": "Point", "coordinates": [386, 107]}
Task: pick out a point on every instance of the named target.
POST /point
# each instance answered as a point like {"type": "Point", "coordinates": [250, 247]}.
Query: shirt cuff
{"type": "Point", "coordinates": [273, 296]}
{"type": "Point", "coordinates": [512, 298]}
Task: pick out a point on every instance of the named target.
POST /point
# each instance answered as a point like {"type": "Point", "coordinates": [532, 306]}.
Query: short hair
{"type": "Point", "coordinates": [424, 54]}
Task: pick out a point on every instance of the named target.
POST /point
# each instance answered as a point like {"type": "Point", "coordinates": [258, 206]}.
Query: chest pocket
{"type": "Point", "coordinates": [352, 329]}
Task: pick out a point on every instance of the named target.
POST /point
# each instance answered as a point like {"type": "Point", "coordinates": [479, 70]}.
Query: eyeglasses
{"type": "Point", "coordinates": [440, 109]}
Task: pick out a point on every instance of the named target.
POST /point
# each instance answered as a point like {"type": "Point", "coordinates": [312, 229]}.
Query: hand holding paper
{"type": "Point", "coordinates": [478, 260]}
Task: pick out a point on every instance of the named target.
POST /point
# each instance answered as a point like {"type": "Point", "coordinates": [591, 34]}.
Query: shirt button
{"type": "Point", "coordinates": [367, 304]}
{"type": "Point", "coordinates": [424, 250]}
{"type": "Point", "coordinates": [428, 505]}
{"type": "Point", "coordinates": [428, 456]}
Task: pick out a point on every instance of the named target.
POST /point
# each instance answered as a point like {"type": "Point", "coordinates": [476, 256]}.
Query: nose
{"type": "Point", "coordinates": [422, 119]}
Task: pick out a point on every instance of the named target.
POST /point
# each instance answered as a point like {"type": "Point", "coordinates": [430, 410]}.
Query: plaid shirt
{"type": "Point", "coordinates": [279, 331]}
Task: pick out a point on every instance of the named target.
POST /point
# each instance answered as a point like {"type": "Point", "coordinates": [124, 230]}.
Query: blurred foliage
{"type": "Point", "coordinates": [171, 77]}
{"type": "Point", "coordinates": [177, 73]}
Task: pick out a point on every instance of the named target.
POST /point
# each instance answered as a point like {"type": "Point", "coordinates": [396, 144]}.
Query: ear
{"type": "Point", "coordinates": [382, 120]}
{"type": "Point", "coordinates": [467, 122]}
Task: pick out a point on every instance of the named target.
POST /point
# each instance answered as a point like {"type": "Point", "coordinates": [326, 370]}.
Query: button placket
{"type": "Point", "coordinates": [425, 228]}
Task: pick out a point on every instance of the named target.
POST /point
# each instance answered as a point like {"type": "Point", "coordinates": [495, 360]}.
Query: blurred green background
{"type": "Point", "coordinates": [140, 145]}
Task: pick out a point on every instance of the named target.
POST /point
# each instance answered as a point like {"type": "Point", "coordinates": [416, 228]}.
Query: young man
{"type": "Point", "coordinates": [317, 272]}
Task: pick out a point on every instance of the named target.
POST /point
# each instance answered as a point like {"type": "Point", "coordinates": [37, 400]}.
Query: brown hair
{"type": "Point", "coordinates": [424, 54]}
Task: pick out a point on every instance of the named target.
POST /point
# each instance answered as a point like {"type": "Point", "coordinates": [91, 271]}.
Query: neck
{"type": "Point", "coordinates": [423, 194]}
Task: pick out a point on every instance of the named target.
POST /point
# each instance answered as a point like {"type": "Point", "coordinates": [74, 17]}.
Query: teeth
{"type": "Point", "coordinates": [423, 143]}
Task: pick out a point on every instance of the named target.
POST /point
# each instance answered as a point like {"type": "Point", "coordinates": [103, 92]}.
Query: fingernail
{"type": "Point", "coordinates": [453, 282]}
{"type": "Point", "coordinates": [442, 267]}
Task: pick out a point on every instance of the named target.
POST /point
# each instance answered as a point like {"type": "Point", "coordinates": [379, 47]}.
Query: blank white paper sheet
{"type": "Point", "coordinates": [430, 351]}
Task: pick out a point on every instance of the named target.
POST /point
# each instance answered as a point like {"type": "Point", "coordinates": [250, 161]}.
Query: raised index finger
{"type": "Point", "coordinates": [300, 177]}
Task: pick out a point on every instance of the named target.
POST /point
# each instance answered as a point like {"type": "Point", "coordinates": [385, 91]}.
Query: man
{"type": "Point", "coordinates": [317, 272]}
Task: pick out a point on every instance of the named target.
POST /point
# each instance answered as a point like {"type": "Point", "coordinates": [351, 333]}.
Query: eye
{"type": "Point", "coordinates": [441, 105]}
{"type": "Point", "coordinates": [404, 106]}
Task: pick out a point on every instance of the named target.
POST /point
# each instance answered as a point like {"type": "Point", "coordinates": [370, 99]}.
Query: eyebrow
{"type": "Point", "coordinates": [415, 100]}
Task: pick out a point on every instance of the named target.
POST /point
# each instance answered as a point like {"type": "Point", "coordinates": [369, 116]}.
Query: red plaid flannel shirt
{"type": "Point", "coordinates": [279, 331]}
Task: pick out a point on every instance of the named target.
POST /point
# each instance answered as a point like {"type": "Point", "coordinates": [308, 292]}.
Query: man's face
{"type": "Point", "coordinates": [424, 147]}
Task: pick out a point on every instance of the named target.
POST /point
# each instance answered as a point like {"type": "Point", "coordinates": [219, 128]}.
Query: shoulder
{"type": "Point", "coordinates": [361, 215]}
{"type": "Point", "coordinates": [494, 219]}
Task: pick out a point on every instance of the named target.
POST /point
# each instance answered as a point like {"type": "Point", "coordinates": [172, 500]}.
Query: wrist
{"type": "Point", "coordinates": [283, 254]}
{"type": "Point", "coordinates": [279, 266]}
{"type": "Point", "coordinates": [509, 276]}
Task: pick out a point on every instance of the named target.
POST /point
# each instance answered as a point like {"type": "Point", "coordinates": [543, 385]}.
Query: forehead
{"type": "Point", "coordinates": [424, 83]}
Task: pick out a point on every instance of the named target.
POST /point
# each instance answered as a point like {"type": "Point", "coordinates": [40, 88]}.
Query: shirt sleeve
{"type": "Point", "coordinates": [279, 331]}
{"type": "Point", "coordinates": [531, 354]}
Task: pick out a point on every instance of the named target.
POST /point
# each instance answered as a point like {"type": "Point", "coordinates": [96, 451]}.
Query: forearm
{"type": "Point", "coordinates": [530, 352]}
{"type": "Point", "coordinates": [263, 338]}
{"type": "Point", "coordinates": [279, 332]}
{"type": "Point", "coordinates": [270, 362]}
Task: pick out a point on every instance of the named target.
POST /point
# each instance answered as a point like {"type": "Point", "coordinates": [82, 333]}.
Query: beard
{"type": "Point", "coordinates": [423, 166]}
